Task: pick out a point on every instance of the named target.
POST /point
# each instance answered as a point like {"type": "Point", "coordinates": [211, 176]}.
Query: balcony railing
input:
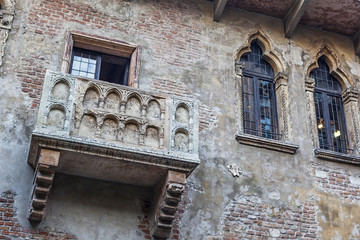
{"type": "Point", "coordinates": [102, 119]}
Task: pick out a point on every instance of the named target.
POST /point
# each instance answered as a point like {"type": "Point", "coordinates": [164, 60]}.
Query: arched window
{"type": "Point", "coordinates": [329, 109]}
{"type": "Point", "coordinates": [258, 94]}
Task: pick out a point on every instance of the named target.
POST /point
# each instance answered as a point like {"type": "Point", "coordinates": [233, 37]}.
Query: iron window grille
{"type": "Point", "coordinates": [329, 110]}
{"type": "Point", "coordinates": [259, 104]}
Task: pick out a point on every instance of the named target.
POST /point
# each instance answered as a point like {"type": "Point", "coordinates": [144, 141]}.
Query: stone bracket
{"type": "Point", "coordinates": [219, 6]}
{"type": "Point", "coordinates": [43, 179]}
{"type": "Point", "coordinates": [293, 17]}
{"type": "Point", "coordinates": [171, 190]}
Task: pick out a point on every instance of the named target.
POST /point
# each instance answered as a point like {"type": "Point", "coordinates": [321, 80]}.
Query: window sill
{"type": "Point", "coordinates": [271, 144]}
{"type": "Point", "coordinates": [336, 157]}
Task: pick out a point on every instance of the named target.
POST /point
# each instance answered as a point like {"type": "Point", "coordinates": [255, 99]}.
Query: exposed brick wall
{"type": "Point", "coordinates": [174, 33]}
{"type": "Point", "coordinates": [10, 228]}
{"type": "Point", "coordinates": [247, 217]}
{"type": "Point", "coordinates": [207, 118]}
{"type": "Point", "coordinates": [171, 86]}
{"type": "Point", "coordinates": [337, 181]}
{"type": "Point", "coordinates": [170, 39]}
{"type": "Point", "coordinates": [144, 220]}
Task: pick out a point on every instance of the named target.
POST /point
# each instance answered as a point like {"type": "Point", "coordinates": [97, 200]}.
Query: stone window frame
{"type": "Point", "coordinates": [350, 100]}
{"type": "Point", "coordinates": [103, 45]}
{"type": "Point", "coordinates": [282, 98]}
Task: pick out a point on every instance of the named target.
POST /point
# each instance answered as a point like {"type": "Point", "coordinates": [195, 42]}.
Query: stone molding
{"type": "Point", "coordinates": [43, 179]}
{"type": "Point", "coordinates": [271, 144]}
{"type": "Point", "coordinates": [336, 157]}
{"type": "Point", "coordinates": [160, 159]}
{"type": "Point", "coordinates": [350, 94]}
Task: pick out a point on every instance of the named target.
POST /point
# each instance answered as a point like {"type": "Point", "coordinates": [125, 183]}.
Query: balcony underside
{"type": "Point", "coordinates": [117, 164]}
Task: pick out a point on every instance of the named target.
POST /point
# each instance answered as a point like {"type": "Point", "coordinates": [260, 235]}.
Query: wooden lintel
{"type": "Point", "coordinates": [293, 17]}
{"type": "Point", "coordinates": [357, 43]}
{"type": "Point", "coordinates": [219, 6]}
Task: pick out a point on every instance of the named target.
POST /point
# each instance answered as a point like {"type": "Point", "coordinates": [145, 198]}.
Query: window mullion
{"type": "Point", "coordinates": [327, 120]}
{"type": "Point", "coordinates": [98, 67]}
{"type": "Point", "coordinates": [256, 90]}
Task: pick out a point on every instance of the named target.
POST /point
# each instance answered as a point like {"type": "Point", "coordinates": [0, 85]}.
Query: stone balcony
{"type": "Point", "coordinates": [111, 132]}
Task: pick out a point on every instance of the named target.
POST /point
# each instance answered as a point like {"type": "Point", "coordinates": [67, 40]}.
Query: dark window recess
{"type": "Point", "coordinates": [100, 66]}
{"type": "Point", "coordinates": [329, 110]}
{"type": "Point", "coordinates": [259, 106]}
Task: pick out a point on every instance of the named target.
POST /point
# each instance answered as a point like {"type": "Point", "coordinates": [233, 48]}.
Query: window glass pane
{"type": "Point", "coordinates": [323, 78]}
{"type": "Point", "coordinates": [76, 65]}
{"type": "Point", "coordinates": [248, 105]}
{"type": "Point", "coordinates": [321, 125]}
{"type": "Point", "coordinates": [254, 62]}
{"type": "Point", "coordinates": [84, 63]}
{"type": "Point", "coordinates": [91, 68]}
{"type": "Point", "coordinates": [336, 123]}
{"type": "Point", "coordinates": [267, 118]}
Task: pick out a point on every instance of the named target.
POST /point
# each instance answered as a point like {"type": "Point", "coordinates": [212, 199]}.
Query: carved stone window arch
{"type": "Point", "coordinates": [350, 101]}
{"type": "Point", "coordinates": [280, 81]}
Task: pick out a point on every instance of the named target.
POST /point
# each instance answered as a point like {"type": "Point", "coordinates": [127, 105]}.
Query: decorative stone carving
{"type": "Point", "coordinates": [309, 89]}
{"type": "Point", "coordinates": [6, 19]}
{"type": "Point", "coordinates": [131, 133]}
{"type": "Point", "coordinates": [109, 129]}
{"type": "Point", "coordinates": [43, 179]}
{"type": "Point", "coordinates": [282, 97]}
{"type": "Point", "coordinates": [87, 126]}
{"type": "Point", "coordinates": [61, 91]}
{"type": "Point", "coordinates": [110, 121]}
{"type": "Point", "coordinates": [154, 111]}
{"type": "Point", "coordinates": [234, 169]}
{"type": "Point", "coordinates": [112, 101]}
{"type": "Point", "coordinates": [350, 94]}
{"type": "Point", "coordinates": [309, 84]}
{"type": "Point", "coordinates": [91, 98]}
{"type": "Point", "coordinates": [133, 106]}
{"type": "Point", "coordinates": [56, 118]}
{"type": "Point", "coordinates": [152, 137]}
{"type": "Point", "coordinates": [182, 115]}
{"type": "Point", "coordinates": [181, 142]}
{"type": "Point", "coordinates": [171, 190]}
{"type": "Point", "coordinates": [239, 67]}
{"type": "Point", "coordinates": [183, 125]}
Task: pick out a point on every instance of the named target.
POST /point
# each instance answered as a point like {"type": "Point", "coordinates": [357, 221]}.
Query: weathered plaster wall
{"type": "Point", "coordinates": [182, 52]}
